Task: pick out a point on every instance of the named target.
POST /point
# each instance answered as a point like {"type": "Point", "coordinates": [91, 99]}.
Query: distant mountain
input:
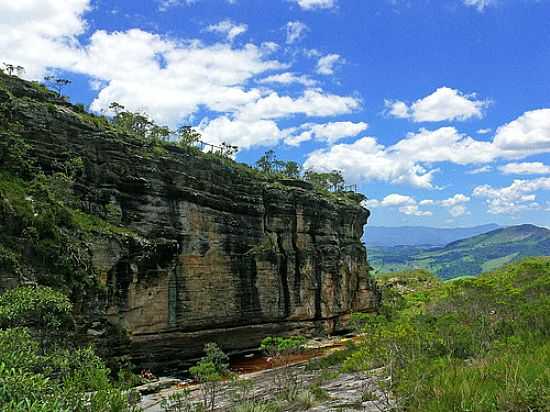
{"type": "Point", "coordinates": [420, 235]}
{"type": "Point", "coordinates": [469, 256]}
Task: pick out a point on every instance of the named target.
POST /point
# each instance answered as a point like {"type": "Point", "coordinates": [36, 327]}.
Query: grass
{"type": "Point", "coordinates": [473, 344]}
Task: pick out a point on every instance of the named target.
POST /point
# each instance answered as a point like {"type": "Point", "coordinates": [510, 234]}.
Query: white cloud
{"type": "Point", "coordinates": [528, 134]}
{"type": "Point", "coordinates": [325, 65]}
{"type": "Point", "coordinates": [392, 200]}
{"type": "Point", "coordinates": [228, 28]}
{"type": "Point", "coordinates": [455, 200]}
{"type": "Point", "coordinates": [457, 211]}
{"type": "Point", "coordinates": [525, 168]}
{"type": "Point", "coordinates": [414, 211]}
{"type": "Point", "coordinates": [312, 102]}
{"type": "Point", "coordinates": [164, 5]}
{"type": "Point", "coordinates": [295, 30]}
{"type": "Point", "coordinates": [480, 5]}
{"type": "Point", "coordinates": [444, 104]}
{"type": "Point", "coordinates": [409, 205]}
{"type": "Point", "coordinates": [315, 4]}
{"type": "Point", "coordinates": [329, 132]}
{"type": "Point", "coordinates": [404, 204]}
{"type": "Point", "coordinates": [484, 131]}
{"type": "Point", "coordinates": [519, 196]}
{"type": "Point", "coordinates": [289, 78]}
{"type": "Point", "coordinates": [189, 75]}
{"type": "Point", "coordinates": [366, 159]}
{"type": "Point", "coordinates": [37, 34]}
{"type": "Point", "coordinates": [480, 170]}
{"type": "Point", "coordinates": [244, 134]}
{"type": "Point", "coordinates": [412, 159]}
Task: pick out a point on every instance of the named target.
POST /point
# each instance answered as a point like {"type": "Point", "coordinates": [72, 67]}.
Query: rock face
{"type": "Point", "coordinates": [214, 251]}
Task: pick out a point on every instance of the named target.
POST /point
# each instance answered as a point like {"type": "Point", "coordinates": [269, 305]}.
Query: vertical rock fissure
{"type": "Point", "coordinates": [317, 267]}
{"type": "Point", "coordinates": [283, 273]}
{"type": "Point", "coordinates": [297, 260]}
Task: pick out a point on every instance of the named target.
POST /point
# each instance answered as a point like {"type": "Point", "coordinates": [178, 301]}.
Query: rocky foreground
{"type": "Point", "coordinates": [340, 392]}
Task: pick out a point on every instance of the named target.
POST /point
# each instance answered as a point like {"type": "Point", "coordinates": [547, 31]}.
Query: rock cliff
{"type": "Point", "coordinates": [208, 249]}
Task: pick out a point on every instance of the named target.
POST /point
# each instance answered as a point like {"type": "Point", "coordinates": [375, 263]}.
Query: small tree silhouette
{"type": "Point", "coordinates": [56, 83]}
{"type": "Point", "coordinates": [10, 69]}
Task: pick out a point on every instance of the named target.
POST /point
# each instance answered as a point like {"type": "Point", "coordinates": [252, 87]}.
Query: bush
{"type": "Point", "coordinates": [473, 344]}
{"type": "Point", "coordinates": [209, 372]}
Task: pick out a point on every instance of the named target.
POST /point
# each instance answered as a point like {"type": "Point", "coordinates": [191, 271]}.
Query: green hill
{"type": "Point", "coordinates": [470, 256]}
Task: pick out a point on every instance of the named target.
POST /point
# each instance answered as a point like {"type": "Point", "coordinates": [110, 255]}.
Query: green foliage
{"type": "Point", "coordinates": [325, 181]}
{"type": "Point", "coordinates": [187, 136]}
{"type": "Point", "coordinates": [14, 154]}
{"type": "Point", "coordinates": [209, 372]}
{"type": "Point", "coordinates": [282, 346]}
{"type": "Point", "coordinates": [35, 307]}
{"type": "Point", "coordinates": [285, 378]}
{"type": "Point", "coordinates": [269, 165]}
{"type": "Point", "coordinates": [57, 379]}
{"type": "Point", "coordinates": [473, 344]}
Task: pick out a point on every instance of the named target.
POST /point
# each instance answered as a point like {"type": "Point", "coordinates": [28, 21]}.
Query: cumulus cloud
{"type": "Point", "coordinates": [412, 159]}
{"type": "Point", "coordinates": [455, 200]}
{"type": "Point", "coordinates": [525, 168]}
{"type": "Point", "coordinates": [316, 4]}
{"type": "Point", "coordinates": [366, 160]}
{"type": "Point", "coordinates": [408, 205]}
{"type": "Point", "coordinates": [326, 64]}
{"type": "Point", "coordinates": [457, 211]}
{"type": "Point", "coordinates": [228, 28]}
{"type": "Point", "coordinates": [295, 30]}
{"type": "Point", "coordinates": [519, 196]}
{"type": "Point", "coordinates": [289, 78]}
{"type": "Point", "coordinates": [404, 204]}
{"type": "Point", "coordinates": [328, 132]}
{"type": "Point", "coordinates": [312, 102]}
{"type": "Point", "coordinates": [529, 133]}
{"type": "Point", "coordinates": [244, 134]}
{"type": "Point", "coordinates": [443, 104]}
{"type": "Point", "coordinates": [41, 34]}
{"type": "Point", "coordinates": [170, 79]}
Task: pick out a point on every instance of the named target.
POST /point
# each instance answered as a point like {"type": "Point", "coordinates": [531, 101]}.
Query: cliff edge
{"type": "Point", "coordinates": [199, 248]}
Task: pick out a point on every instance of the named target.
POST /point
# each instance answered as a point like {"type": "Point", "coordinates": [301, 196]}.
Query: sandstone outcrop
{"type": "Point", "coordinates": [212, 251]}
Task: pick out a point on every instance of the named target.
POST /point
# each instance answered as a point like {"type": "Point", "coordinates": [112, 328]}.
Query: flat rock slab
{"type": "Point", "coordinates": [346, 392]}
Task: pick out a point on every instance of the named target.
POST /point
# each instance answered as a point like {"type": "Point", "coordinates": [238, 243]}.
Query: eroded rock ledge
{"type": "Point", "coordinates": [214, 252]}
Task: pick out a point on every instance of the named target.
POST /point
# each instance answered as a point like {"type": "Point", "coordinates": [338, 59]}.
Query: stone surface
{"type": "Point", "coordinates": [344, 392]}
{"type": "Point", "coordinates": [214, 252]}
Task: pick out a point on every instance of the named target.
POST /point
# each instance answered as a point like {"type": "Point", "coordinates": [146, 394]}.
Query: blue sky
{"type": "Point", "coordinates": [438, 109]}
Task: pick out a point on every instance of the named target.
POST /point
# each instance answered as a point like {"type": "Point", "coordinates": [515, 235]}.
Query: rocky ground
{"type": "Point", "coordinates": [341, 392]}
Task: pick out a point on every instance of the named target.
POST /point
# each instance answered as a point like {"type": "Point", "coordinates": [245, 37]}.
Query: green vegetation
{"type": "Point", "coordinates": [39, 370]}
{"type": "Point", "coordinates": [470, 256]}
{"type": "Point", "coordinates": [475, 344]}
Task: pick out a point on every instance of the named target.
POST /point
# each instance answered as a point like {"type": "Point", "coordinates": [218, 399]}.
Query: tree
{"type": "Point", "coordinates": [229, 150]}
{"type": "Point", "coordinates": [57, 84]}
{"type": "Point", "coordinates": [41, 309]}
{"type": "Point", "coordinates": [266, 162]}
{"type": "Point", "coordinates": [187, 136]}
{"type": "Point", "coordinates": [280, 349]}
{"type": "Point", "coordinates": [292, 169]}
{"type": "Point", "coordinates": [325, 180]}
{"type": "Point", "coordinates": [10, 69]}
{"type": "Point", "coordinates": [129, 122]}
{"type": "Point", "coordinates": [209, 372]}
